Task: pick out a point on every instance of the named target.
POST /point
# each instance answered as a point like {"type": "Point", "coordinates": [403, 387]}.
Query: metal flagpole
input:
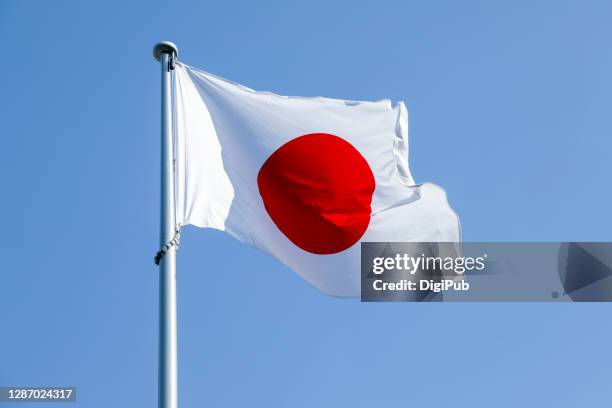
{"type": "Point", "coordinates": [166, 53]}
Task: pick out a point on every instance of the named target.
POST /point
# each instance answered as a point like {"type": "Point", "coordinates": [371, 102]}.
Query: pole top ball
{"type": "Point", "coordinates": [164, 47]}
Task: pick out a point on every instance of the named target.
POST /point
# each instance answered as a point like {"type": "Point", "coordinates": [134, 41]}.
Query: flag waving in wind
{"type": "Point", "coordinates": [303, 179]}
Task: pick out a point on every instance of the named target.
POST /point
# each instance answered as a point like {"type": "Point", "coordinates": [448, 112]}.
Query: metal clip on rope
{"type": "Point", "coordinates": [174, 242]}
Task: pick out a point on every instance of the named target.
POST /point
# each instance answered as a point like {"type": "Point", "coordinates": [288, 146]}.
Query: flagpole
{"type": "Point", "coordinates": [166, 52]}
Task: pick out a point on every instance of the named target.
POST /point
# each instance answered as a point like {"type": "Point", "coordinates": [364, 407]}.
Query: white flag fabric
{"type": "Point", "coordinates": [303, 179]}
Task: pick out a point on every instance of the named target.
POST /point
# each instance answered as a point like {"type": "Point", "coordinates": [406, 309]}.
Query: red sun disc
{"type": "Point", "coordinates": [317, 188]}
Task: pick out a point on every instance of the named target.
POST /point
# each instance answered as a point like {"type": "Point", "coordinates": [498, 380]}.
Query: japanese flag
{"type": "Point", "coordinates": [303, 179]}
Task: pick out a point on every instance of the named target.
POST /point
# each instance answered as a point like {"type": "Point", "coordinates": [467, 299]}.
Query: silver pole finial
{"type": "Point", "coordinates": [164, 47]}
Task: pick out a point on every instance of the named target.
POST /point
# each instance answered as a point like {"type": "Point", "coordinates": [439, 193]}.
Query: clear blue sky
{"type": "Point", "coordinates": [509, 111]}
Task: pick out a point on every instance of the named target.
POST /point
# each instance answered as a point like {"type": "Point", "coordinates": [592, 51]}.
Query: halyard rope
{"type": "Point", "coordinates": [174, 242]}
